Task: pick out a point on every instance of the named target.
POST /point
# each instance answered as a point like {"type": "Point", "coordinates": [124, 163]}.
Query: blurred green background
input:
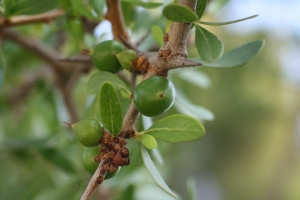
{"type": "Point", "coordinates": [250, 150]}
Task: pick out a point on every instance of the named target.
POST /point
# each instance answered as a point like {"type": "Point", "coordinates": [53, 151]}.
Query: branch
{"type": "Point", "coordinates": [115, 16]}
{"type": "Point", "coordinates": [94, 182]}
{"type": "Point", "coordinates": [26, 19]}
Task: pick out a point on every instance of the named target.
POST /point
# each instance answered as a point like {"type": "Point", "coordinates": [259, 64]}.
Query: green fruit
{"type": "Point", "coordinates": [126, 57]}
{"type": "Point", "coordinates": [154, 96]}
{"type": "Point", "coordinates": [88, 132]}
{"type": "Point", "coordinates": [104, 57]}
{"type": "Point", "coordinates": [89, 163]}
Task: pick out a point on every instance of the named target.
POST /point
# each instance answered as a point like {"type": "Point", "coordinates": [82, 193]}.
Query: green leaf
{"type": "Point", "coordinates": [237, 57]}
{"type": "Point", "coordinates": [200, 8]}
{"type": "Point", "coordinates": [99, 78]}
{"type": "Point", "coordinates": [110, 108]}
{"type": "Point", "coordinates": [148, 141]}
{"type": "Point", "coordinates": [195, 77]}
{"type": "Point", "coordinates": [148, 5]}
{"type": "Point", "coordinates": [209, 47]}
{"type": "Point", "coordinates": [158, 35]}
{"type": "Point", "coordinates": [179, 13]}
{"type": "Point", "coordinates": [226, 23]}
{"type": "Point", "coordinates": [176, 128]}
{"type": "Point", "coordinates": [30, 7]}
{"type": "Point", "coordinates": [98, 6]}
{"type": "Point", "coordinates": [154, 173]}
{"type": "Point", "coordinates": [191, 189]}
{"type": "Point", "coordinates": [82, 8]}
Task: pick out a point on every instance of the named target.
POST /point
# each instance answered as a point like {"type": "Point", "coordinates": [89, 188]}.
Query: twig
{"type": "Point", "coordinates": [26, 19]}
{"type": "Point", "coordinates": [115, 16]}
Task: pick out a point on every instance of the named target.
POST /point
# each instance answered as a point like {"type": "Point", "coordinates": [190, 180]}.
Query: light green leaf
{"type": "Point", "coordinates": [226, 23]}
{"type": "Point", "coordinates": [98, 6]}
{"type": "Point", "coordinates": [195, 77]}
{"type": "Point", "coordinates": [158, 35]}
{"type": "Point", "coordinates": [30, 7]}
{"type": "Point", "coordinates": [179, 13]}
{"type": "Point", "coordinates": [82, 8]}
{"type": "Point", "coordinates": [191, 189]}
{"type": "Point", "coordinates": [99, 78]}
{"type": "Point", "coordinates": [209, 47]}
{"type": "Point", "coordinates": [200, 8]}
{"type": "Point", "coordinates": [237, 57]}
{"type": "Point", "coordinates": [110, 108]}
{"type": "Point", "coordinates": [148, 141]}
{"type": "Point", "coordinates": [176, 128]}
{"type": "Point", "coordinates": [148, 5]}
{"type": "Point", "coordinates": [154, 173]}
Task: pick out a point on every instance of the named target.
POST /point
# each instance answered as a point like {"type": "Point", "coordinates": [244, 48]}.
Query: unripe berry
{"type": "Point", "coordinates": [126, 57]}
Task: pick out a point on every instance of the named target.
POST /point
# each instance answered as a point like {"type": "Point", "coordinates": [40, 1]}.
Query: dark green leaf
{"type": "Point", "coordinates": [110, 108]}
{"type": "Point", "coordinates": [57, 158]}
{"type": "Point", "coordinates": [179, 13]}
{"type": "Point", "coordinates": [176, 128]}
{"type": "Point", "coordinates": [2, 67]}
{"type": "Point", "coordinates": [237, 57]}
{"type": "Point", "coordinates": [30, 7]}
{"type": "Point", "coordinates": [209, 47]}
{"type": "Point", "coordinates": [148, 141]}
{"type": "Point", "coordinates": [158, 35]}
{"type": "Point", "coordinates": [201, 5]}
{"type": "Point", "coordinates": [99, 78]}
{"type": "Point", "coordinates": [143, 4]}
{"type": "Point", "coordinates": [98, 6]}
{"type": "Point", "coordinates": [82, 8]}
{"type": "Point", "coordinates": [154, 173]}
{"type": "Point", "coordinates": [226, 23]}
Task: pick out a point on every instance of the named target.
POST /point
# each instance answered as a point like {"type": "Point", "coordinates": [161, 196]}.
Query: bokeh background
{"type": "Point", "coordinates": [251, 147]}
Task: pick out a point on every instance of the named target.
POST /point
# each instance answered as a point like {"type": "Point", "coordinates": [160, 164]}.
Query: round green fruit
{"type": "Point", "coordinates": [104, 57]}
{"type": "Point", "coordinates": [154, 96]}
{"type": "Point", "coordinates": [88, 132]}
{"type": "Point", "coordinates": [126, 57]}
{"type": "Point", "coordinates": [89, 163]}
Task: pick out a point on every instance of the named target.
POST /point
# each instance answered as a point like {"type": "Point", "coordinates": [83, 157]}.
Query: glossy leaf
{"type": "Point", "coordinates": [82, 8]}
{"type": "Point", "coordinates": [209, 47]}
{"type": "Point", "coordinates": [154, 173]}
{"type": "Point", "coordinates": [30, 7]}
{"type": "Point", "coordinates": [148, 141]}
{"type": "Point", "coordinates": [185, 106]}
{"type": "Point", "coordinates": [144, 4]}
{"type": "Point", "coordinates": [226, 23]}
{"type": "Point", "coordinates": [176, 128]}
{"type": "Point", "coordinates": [110, 108]}
{"type": "Point", "coordinates": [179, 13]}
{"type": "Point", "coordinates": [98, 6]}
{"type": "Point", "coordinates": [99, 78]}
{"type": "Point", "coordinates": [195, 77]}
{"type": "Point", "coordinates": [237, 57]}
{"type": "Point", "coordinates": [200, 8]}
{"type": "Point", "coordinates": [158, 35]}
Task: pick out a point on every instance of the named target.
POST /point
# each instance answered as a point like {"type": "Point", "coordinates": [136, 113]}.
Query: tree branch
{"type": "Point", "coordinates": [26, 19]}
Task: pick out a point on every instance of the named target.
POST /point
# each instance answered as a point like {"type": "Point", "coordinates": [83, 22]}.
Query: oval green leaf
{"type": "Point", "coordinates": [154, 173]}
{"type": "Point", "coordinates": [158, 35]}
{"type": "Point", "coordinates": [200, 8]}
{"type": "Point", "coordinates": [209, 47]}
{"type": "Point", "coordinates": [82, 9]}
{"type": "Point", "coordinates": [30, 7]}
{"type": "Point", "coordinates": [176, 128]}
{"type": "Point", "coordinates": [148, 141]}
{"type": "Point", "coordinates": [179, 13]}
{"type": "Point", "coordinates": [237, 57]}
{"type": "Point", "coordinates": [147, 5]}
{"type": "Point", "coordinates": [110, 108]}
{"type": "Point", "coordinates": [99, 78]}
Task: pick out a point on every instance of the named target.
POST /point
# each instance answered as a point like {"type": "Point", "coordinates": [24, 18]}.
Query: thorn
{"type": "Point", "coordinates": [70, 125]}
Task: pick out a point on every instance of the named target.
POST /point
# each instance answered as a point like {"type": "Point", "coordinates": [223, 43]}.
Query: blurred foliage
{"type": "Point", "coordinates": [248, 152]}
